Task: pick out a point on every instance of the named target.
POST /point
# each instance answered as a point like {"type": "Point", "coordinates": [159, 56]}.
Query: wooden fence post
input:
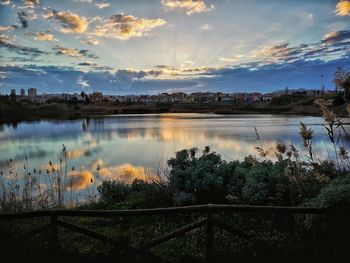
{"type": "Point", "coordinates": [209, 234]}
{"type": "Point", "coordinates": [54, 234]}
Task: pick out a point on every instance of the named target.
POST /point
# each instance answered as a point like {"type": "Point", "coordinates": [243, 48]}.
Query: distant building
{"type": "Point", "coordinates": [65, 97]}
{"type": "Point", "coordinates": [267, 97]}
{"type": "Point", "coordinates": [32, 92]}
{"type": "Point", "coordinates": [96, 97]}
{"type": "Point", "coordinates": [23, 92]}
{"type": "Point", "coordinates": [13, 92]}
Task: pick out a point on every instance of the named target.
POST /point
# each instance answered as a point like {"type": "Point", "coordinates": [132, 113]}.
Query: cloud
{"type": "Point", "coordinates": [191, 6]}
{"type": "Point", "coordinates": [125, 173]}
{"type": "Point", "coordinates": [7, 28]}
{"type": "Point", "coordinates": [70, 52]}
{"type": "Point", "coordinates": [31, 3]}
{"type": "Point", "coordinates": [22, 16]}
{"type": "Point", "coordinates": [90, 41]}
{"type": "Point", "coordinates": [232, 59]}
{"type": "Point", "coordinates": [343, 8]}
{"type": "Point", "coordinates": [122, 26]}
{"type": "Point", "coordinates": [333, 45]}
{"type": "Point", "coordinates": [5, 2]}
{"type": "Point", "coordinates": [87, 63]}
{"type": "Point", "coordinates": [44, 36]}
{"type": "Point", "coordinates": [73, 52]}
{"type": "Point", "coordinates": [8, 43]}
{"type": "Point", "coordinates": [82, 82]}
{"type": "Point", "coordinates": [275, 51]}
{"type": "Point", "coordinates": [247, 77]}
{"type": "Point", "coordinates": [205, 27]}
{"type": "Point", "coordinates": [71, 22]}
{"type": "Point", "coordinates": [74, 154]}
{"type": "Point", "coordinates": [104, 68]}
{"type": "Point", "coordinates": [84, 1]}
{"type": "Point", "coordinates": [101, 5]}
{"type": "Point", "coordinates": [336, 36]}
{"type": "Point", "coordinates": [79, 180]}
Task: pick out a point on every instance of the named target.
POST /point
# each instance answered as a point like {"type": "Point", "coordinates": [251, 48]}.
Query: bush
{"type": "Point", "coordinates": [113, 192]}
{"type": "Point", "coordinates": [139, 194]}
{"type": "Point", "coordinates": [336, 194]}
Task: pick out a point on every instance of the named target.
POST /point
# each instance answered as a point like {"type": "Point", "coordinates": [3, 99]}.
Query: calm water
{"type": "Point", "coordinates": [124, 146]}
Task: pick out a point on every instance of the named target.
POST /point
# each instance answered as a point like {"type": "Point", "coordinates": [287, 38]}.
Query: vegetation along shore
{"type": "Point", "coordinates": [297, 104]}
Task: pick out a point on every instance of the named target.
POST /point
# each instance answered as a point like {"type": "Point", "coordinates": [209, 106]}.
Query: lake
{"type": "Point", "coordinates": [125, 147]}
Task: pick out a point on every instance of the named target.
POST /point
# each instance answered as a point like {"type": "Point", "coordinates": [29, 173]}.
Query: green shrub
{"type": "Point", "coordinates": [335, 194]}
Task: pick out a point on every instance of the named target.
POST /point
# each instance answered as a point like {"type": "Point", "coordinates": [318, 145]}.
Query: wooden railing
{"type": "Point", "coordinates": [209, 220]}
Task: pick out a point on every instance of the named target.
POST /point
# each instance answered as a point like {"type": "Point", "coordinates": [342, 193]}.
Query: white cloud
{"type": "Point", "coordinates": [101, 5]}
{"type": "Point", "coordinates": [191, 6]}
{"type": "Point", "coordinates": [205, 27]}
{"type": "Point", "coordinates": [122, 26]}
{"type": "Point", "coordinates": [44, 36]}
{"type": "Point", "coordinates": [232, 59]}
{"type": "Point", "coordinates": [71, 22]}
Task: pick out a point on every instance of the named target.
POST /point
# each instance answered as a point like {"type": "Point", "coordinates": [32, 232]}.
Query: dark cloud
{"type": "Point", "coordinates": [73, 52]}
{"type": "Point", "coordinates": [87, 64]}
{"type": "Point", "coordinates": [247, 77]}
{"type": "Point", "coordinates": [336, 36]}
{"type": "Point", "coordinates": [7, 43]}
{"type": "Point", "coordinates": [333, 44]}
{"type": "Point", "coordinates": [105, 68]}
{"type": "Point", "coordinates": [23, 19]}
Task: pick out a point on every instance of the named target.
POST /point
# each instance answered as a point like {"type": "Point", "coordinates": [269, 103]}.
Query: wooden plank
{"type": "Point", "coordinates": [209, 238]}
{"type": "Point", "coordinates": [54, 233]}
{"type": "Point", "coordinates": [121, 246]}
{"type": "Point", "coordinates": [219, 223]}
{"type": "Point", "coordinates": [33, 233]}
{"type": "Point", "coordinates": [23, 215]}
{"type": "Point", "coordinates": [177, 210]}
{"type": "Point", "coordinates": [134, 212]}
{"type": "Point", "coordinates": [175, 233]}
{"type": "Point", "coordinates": [279, 209]}
{"type": "Point", "coordinates": [87, 232]}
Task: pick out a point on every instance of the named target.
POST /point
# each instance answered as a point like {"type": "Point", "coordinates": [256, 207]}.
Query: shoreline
{"type": "Point", "coordinates": [15, 113]}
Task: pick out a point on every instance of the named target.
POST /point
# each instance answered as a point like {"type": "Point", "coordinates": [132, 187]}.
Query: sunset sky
{"type": "Point", "coordinates": [153, 46]}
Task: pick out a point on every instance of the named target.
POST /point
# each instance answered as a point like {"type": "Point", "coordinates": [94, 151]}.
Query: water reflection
{"type": "Point", "coordinates": [123, 146]}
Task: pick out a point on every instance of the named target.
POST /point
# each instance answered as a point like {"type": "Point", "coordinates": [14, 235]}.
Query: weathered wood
{"type": "Point", "coordinates": [219, 223]}
{"type": "Point", "coordinates": [209, 236]}
{"type": "Point", "coordinates": [24, 215]}
{"type": "Point", "coordinates": [87, 232]}
{"type": "Point", "coordinates": [278, 209]}
{"type": "Point", "coordinates": [175, 233]}
{"type": "Point", "coordinates": [34, 232]}
{"type": "Point", "coordinates": [54, 232]}
{"type": "Point", "coordinates": [134, 212]}
{"type": "Point", "coordinates": [177, 210]}
{"type": "Point", "coordinates": [119, 245]}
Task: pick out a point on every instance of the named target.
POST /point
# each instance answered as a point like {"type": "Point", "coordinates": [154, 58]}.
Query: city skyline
{"type": "Point", "coordinates": [155, 46]}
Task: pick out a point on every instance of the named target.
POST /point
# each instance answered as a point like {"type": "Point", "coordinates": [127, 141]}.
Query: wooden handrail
{"type": "Point", "coordinates": [209, 221]}
{"type": "Point", "coordinates": [214, 208]}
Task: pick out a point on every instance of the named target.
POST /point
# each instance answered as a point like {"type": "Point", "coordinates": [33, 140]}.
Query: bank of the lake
{"type": "Point", "coordinates": [12, 112]}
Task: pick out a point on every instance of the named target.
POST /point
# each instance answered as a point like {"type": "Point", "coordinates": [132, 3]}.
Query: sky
{"type": "Point", "coordinates": [153, 46]}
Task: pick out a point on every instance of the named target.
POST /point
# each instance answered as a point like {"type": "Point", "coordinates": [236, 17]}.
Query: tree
{"type": "Point", "coordinates": [341, 80]}
{"type": "Point", "coordinates": [83, 95]}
